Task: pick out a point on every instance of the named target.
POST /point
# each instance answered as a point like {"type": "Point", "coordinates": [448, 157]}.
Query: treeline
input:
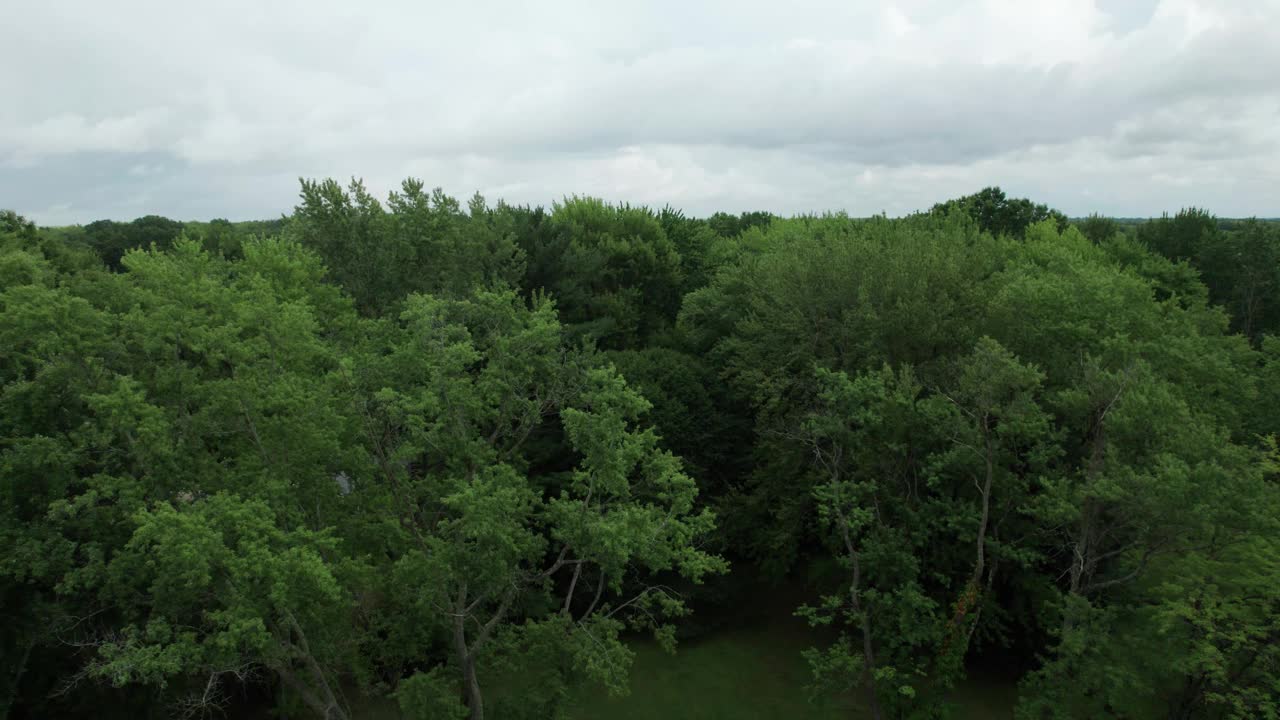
{"type": "Point", "coordinates": [109, 240]}
{"type": "Point", "coordinates": [455, 455]}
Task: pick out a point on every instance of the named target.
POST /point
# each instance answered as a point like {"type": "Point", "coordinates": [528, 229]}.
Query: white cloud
{"type": "Point", "coordinates": [726, 104]}
{"type": "Point", "coordinates": [69, 133]}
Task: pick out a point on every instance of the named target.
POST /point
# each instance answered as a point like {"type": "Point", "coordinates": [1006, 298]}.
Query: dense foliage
{"type": "Point", "coordinates": [455, 457]}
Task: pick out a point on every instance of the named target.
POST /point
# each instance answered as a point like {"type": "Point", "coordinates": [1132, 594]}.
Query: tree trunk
{"type": "Point", "coordinates": [1080, 551]}
{"type": "Point", "coordinates": [868, 664]}
{"type": "Point", "coordinates": [969, 605]}
{"type": "Point", "coordinates": [977, 609]}
{"type": "Point", "coordinates": [11, 691]}
{"type": "Point", "coordinates": [975, 591]}
{"type": "Point", "coordinates": [1188, 699]}
{"type": "Point", "coordinates": [327, 707]}
{"type": "Point", "coordinates": [319, 695]}
{"type": "Point", "coordinates": [1083, 548]}
{"type": "Point", "coordinates": [467, 662]}
{"type": "Point", "coordinates": [855, 599]}
{"type": "Point", "coordinates": [980, 562]}
{"type": "Point", "coordinates": [475, 701]}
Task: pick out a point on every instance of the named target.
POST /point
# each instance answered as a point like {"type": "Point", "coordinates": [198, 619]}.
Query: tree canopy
{"type": "Point", "coordinates": [455, 459]}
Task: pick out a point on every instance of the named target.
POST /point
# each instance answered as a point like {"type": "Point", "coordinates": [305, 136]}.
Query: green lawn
{"type": "Point", "coordinates": [753, 673]}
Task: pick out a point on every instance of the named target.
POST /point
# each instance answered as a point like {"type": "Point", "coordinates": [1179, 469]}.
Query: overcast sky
{"type": "Point", "coordinates": [214, 109]}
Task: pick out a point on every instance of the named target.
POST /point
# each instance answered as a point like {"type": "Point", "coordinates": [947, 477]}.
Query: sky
{"type": "Point", "coordinates": [216, 109]}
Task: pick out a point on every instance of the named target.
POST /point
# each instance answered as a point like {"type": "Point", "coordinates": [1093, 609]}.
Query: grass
{"type": "Point", "coordinates": [750, 670]}
{"type": "Point", "coordinates": [752, 673]}
{"type": "Point", "coordinates": [747, 674]}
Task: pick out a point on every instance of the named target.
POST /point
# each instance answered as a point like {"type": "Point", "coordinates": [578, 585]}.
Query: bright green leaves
{"type": "Point", "coordinates": [1222, 625]}
{"type": "Point", "coordinates": [461, 400]}
{"type": "Point", "coordinates": [143, 405]}
{"type": "Point", "coordinates": [226, 590]}
{"type": "Point", "coordinates": [977, 431]}
{"type": "Point", "coordinates": [488, 532]}
{"type": "Point", "coordinates": [629, 501]}
{"type": "Point", "coordinates": [420, 242]}
{"type": "Point", "coordinates": [1050, 402]}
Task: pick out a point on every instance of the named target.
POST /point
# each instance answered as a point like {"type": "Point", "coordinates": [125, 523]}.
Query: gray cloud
{"type": "Point", "coordinates": [196, 111]}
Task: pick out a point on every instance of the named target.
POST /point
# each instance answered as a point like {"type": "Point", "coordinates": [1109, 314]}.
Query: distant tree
{"type": "Point", "coordinates": [1239, 263]}
{"type": "Point", "coordinates": [13, 224]}
{"type": "Point", "coordinates": [1182, 236]}
{"type": "Point", "coordinates": [1241, 267]}
{"type": "Point", "coordinates": [420, 242]}
{"type": "Point", "coordinates": [220, 236]}
{"type": "Point", "coordinates": [1001, 215]}
{"type": "Point", "coordinates": [615, 275]}
{"type": "Point", "coordinates": [729, 226]}
{"type": "Point", "coordinates": [111, 239]}
{"type": "Point", "coordinates": [1098, 228]}
{"type": "Point", "coordinates": [695, 241]}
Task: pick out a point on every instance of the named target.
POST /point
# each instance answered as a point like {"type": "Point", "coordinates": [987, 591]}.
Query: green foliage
{"type": "Point", "coordinates": [690, 409]}
{"type": "Point", "coordinates": [226, 592]}
{"type": "Point", "coordinates": [1242, 272]}
{"type": "Point", "coordinates": [1239, 263]}
{"type": "Point", "coordinates": [615, 274]}
{"type": "Point", "coordinates": [461, 457]}
{"type": "Point", "coordinates": [453, 396]}
{"type": "Point", "coordinates": [111, 239]}
{"type": "Point", "coordinates": [430, 696]}
{"type": "Point", "coordinates": [1000, 215]}
{"type": "Point", "coordinates": [1098, 229]}
{"type": "Point", "coordinates": [1181, 236]}
{"type": "Point", "coordinates": [420, 242]}
{"type": "Point", "coordinates": [730, 226]}
{"type": "Point", "coordinates": [830, 292]}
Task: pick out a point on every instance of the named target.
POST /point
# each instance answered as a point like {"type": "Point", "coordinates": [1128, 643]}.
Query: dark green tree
{"type": "Point", "coordinates": [1000, 215]}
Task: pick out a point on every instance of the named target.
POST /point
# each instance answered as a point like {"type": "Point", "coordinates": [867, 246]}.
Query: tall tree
{"type": "Point", "coordinates": [613, 271]}
{"type": "Point", "coordinates": [490, 539]}
{"type": "Point", "coordinates": [999, 214]}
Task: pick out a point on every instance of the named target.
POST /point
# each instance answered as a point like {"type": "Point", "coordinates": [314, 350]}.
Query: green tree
{"type": "Point", "coordinates": [351, 231]}
{"type": "Point", "coordinates": [111, 239]}
{"type": "Point", "coordinates": [1098, 228]}
{"type": "Point", "coordinates": [227, 592]}
{"type": "Point", "coordinates": [1182, 236]}
{"type": "Point", "coordinates": [1000, 215]}
{"type": "Point", "coordinates": [858, 447]}
{"type": "Point", "coordinates": [1002, 440]}
{"type": "Point", "coordinates": [613, 271]}
{"type": "Point", "coordinates": [1241, 267]}
{"type": "Point", "coordinates": [420, 242]}
{"type": "Point", "coordinates": [183, 378]}
{"type": "Point", "coordinates": [490, 540]}
{"type": "Point", "coordinates": [836, 293]}
{"type": "Point", "coordinates": [729, 226]}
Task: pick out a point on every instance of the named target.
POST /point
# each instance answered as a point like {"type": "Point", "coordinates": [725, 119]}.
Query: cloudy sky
{"type": "Point", "coordinates": [214, 109]}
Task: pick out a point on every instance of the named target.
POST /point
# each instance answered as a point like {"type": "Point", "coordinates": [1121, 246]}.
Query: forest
{"type": "Point", "coordinates": [414, 457]}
